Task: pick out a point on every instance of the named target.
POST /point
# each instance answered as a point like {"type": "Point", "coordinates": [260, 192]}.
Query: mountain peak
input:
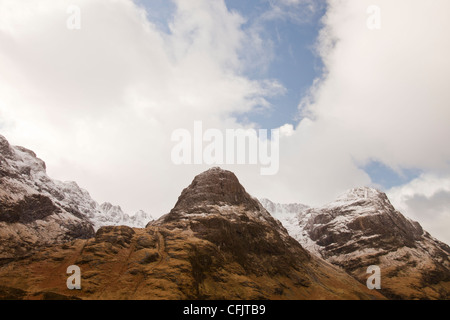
{"type": "Point", "coordinates": [106, 207]}
{"type": "Point", "coordinates": [282, 210]}
{"type": "Point", "coordinates": [5, 148]}
{"type": "Point", "coordinates": [215, 187]}
{"type": "Point", "coordinates": [24, 159]}
{"type": "Point", "coordinates": [362, 197]}
{"type": "Point", "coordinates": [3, 141]}
{"type": "Point", "coordinates": [362, 193]}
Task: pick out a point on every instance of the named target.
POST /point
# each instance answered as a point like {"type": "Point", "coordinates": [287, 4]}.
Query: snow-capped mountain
{"type": "Point", "coordinates": [111, 215]}
{"type": "Point", "coordinates": [37, 210]}
{"type": "Point", "coordinates": [218, 192]}
{"type": "Point", "coordinates": [222, 242]}
{"type": "Point", "coordinates": [279, 210]}
{"type": "Point", "coordinates": [362, 228]}
{"type": "Point", "coordinates": [34, 209]}
{"type": "Point", "coordinates": [217, 208]}
{"type": "Point", "coordinates": [287, 214]}
{"type": "Point", "coordinates": [217, 242]}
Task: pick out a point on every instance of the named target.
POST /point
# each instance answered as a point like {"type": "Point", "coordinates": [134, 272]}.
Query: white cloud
{"type": "Point", "coordinates": [100, 104]}
{"type": "Point", "coordinates": [426, 199]}
{"type": "Point", "coordinates": [287, 130]}
{"type": "Point", "coordinates": [386, 90]}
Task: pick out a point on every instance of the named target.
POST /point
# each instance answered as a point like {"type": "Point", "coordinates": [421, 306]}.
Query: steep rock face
{"type": "Point", "coordinates": [362, 228]}
{"type": "Point", "coordinates": [217, 208]}
{"type": "Point", "coordinates": [280, 210]}
{"type": "Point", "coordinates": [111, 215]}
{"type": "Point", "coordinates": [364, 216]}
{"type": "Point", "coordinates": [35, 210]}
{"type": "Point", "coordinates": [215, 187]}
{"type": "Point", "coordinates": [216, 243]}
{"type": "Point", "coordinates": [287, 214]}
{"type": "Point", "coordinates": [140, 219]}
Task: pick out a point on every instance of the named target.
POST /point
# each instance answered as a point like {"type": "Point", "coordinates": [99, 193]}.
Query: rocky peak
{"type": "Point", "coordinates": [113, 215]}
{"type": "Point", "coordinates": [15, 159]}
{"type": "Point", "coordinates": [5, 148]}
{"type": "Point", "coordinates": [360, 212]}
{"type": "Point", "coordinates": [34, 209]}
{"type": "Point", "coordinates": [142, 215]}
{"type": "Point", "coordinates": [280, 210]}
{"type": "Point", "coordinates": [215, 187]}
{"type": "Point", "coordinates": [362, 197]}
{"type": "Point", "coordinates": [363, 193]}
{"type": "Point", "coordinates": [216, 208]}
{"type": "Point", "coordinates": [362, 228]}
{"type": "Point", "coordinates": [110, 209]}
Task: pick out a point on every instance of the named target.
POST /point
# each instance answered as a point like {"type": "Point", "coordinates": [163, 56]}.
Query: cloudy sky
{"type": "Point", "coordinates": [359, 106]}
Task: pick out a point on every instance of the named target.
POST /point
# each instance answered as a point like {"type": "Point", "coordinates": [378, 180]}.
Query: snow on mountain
{"type": "Point", "coordinates": [288, 215]}
{"type": "Point", "coordinates": [220, 191]}
{"type": "Point", "coordinates": [217, 243]}
{"type": "Point", "coordinates": [216, 208]}
{"type": "Point", "coordinates": [340, 219]}
{"type": "Point", "coordinates": [362, 228]}
{"type": "Point", "coordinates": [110, 215]}
{"type": "Point", "coordinates": [282, 210]}
{"type": "Point", "coordinates": [35, 209]}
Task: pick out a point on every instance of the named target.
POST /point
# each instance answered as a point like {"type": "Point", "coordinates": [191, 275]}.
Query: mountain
{"type": "Point", "coordinates": [217, 242]}
{"type": "Point", "coordinates": [36, 210]}
{"type": "Point", "coordinates": [111, 215]}
{"type": "Point", "coordinates": [287, 214]}
{"type": "Point", "coordinates": [279, 210]}
{"type": "Point", "coordinates": [362, 228]}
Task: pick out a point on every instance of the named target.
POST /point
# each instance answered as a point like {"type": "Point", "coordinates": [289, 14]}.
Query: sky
{"type": "Point", "coordinates": [359, 105]}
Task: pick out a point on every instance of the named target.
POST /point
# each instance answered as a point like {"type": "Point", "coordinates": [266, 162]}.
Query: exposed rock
{"type": "Point", "coordinates": [111, 215]}
{"type": "Point", "coordinates": [362, 228]}
{"type": "Point", "coordinates": [214, 187]}
{"type": "Point", "coordinates": [216, 243]}
{"type": "Point", "coordinates": [36, 210]}
{"type": "Point", "coordinates": [29, 209]}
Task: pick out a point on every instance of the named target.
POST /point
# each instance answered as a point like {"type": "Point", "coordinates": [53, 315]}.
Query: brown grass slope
{"type": "Point", "coordinates": [159, 263]}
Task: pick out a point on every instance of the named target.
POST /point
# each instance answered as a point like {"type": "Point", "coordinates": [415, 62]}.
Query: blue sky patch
{"type": "Point", "coordinates": [388, 178]}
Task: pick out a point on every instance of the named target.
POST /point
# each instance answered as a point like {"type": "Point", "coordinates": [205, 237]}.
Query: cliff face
{"type": "Point", "coordinates": [34, 210]}
{"type": "Point", "coordinates": [362, 228]}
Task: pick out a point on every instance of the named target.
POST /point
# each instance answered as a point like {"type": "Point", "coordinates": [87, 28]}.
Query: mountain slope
{"type": "Point", "coordinates": [216, 243]}
{"type": "Point", "coordinates": [35, 210]}
{"type": "Point", "coordinates": [362, 228]}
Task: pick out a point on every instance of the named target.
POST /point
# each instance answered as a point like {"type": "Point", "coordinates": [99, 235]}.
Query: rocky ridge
{"type": "Point", "coordinates": [36, 210]}
{"type": "Point", "coordinates": [111, 215]}
{"type": "Point", "coordinates": [362, 228]}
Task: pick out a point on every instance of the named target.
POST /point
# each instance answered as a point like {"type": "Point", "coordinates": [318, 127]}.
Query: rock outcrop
{"type": "Point", "coordinates": [37, 211]}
